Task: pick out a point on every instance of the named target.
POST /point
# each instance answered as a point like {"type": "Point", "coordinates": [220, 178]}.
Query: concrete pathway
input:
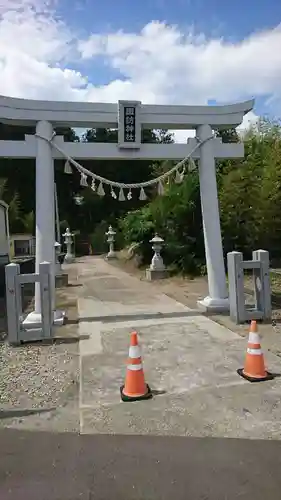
{"type": "Point", "coordinates": [187, 357]}
{"type": "Point", "coordinates": [173, 446]}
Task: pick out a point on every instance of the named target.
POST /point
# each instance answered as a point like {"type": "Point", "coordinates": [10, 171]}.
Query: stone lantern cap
{"type": "Point", "coordinates": [110, 231]}
{"type": "Point", "coordinates": [157, 239]}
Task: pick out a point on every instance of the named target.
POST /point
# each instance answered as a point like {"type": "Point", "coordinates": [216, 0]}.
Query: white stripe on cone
{"type": "Point", "coordinates": [254, 338]}
{"type": "Point", "coordinates": [134, 352]}
{"type": "Point", "coordinates": [254, 351]}
{"type": "Point", "coordinates": [135, 368]}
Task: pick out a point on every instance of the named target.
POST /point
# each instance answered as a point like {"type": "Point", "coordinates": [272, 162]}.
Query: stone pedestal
{"type": "Point", "coordinates": [156, 274]}
{"type": "Point", "coordinates": [157, 270]}
{"type": "Point", "coordinates": [69, 258]}
{"type": "Point", "coordinates": [209, 304]}
{"type": "Point", "coordinates": [62, 280]}
{"type": "Point", "coordinates": [111, 255]}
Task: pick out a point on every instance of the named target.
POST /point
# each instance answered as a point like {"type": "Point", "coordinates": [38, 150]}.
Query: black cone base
{"type": "Point", "coordinates": [147, 395]}
{"type": "Point", "coordinates": [269, 376]}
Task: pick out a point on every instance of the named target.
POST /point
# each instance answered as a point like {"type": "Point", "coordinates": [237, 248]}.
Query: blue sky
{"type": "Point", "coordinates": [156, 51]}
{"type": "Point", "coordinates": [232, 20]}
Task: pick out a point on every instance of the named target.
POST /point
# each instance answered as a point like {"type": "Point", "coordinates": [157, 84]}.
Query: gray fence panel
{"type": "Point", "coordinates": [46, 306]}
{"type": "Point", "coordinates": [262, 285]}
{"type": "Point", "coordinates": [236, 286]}
{"type": "Point", "coordinates": [239, 312]}
{"type": "Point", "coordinates": [13, 302]}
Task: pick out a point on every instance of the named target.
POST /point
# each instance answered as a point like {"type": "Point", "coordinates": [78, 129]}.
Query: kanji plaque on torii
{"type": "Point", "coordinates": [129, 126]}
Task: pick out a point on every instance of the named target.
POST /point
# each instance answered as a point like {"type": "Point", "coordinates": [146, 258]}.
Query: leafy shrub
{"type": "Point", "coordinates": [177, 218]}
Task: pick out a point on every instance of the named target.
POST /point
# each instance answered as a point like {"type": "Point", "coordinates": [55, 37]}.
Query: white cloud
{"type": "Point", "coordinates": [34, 48]}
{"type": "Point", "coordinates": [178, 67]}
{"type": "Point", "coordinates": [160, 64]}
{"type": "Point", "coordinates": [249, 120]}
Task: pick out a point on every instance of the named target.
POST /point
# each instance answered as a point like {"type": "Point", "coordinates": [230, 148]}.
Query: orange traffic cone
{"type": "Point", "coordinates": [135, 388]}
{"type": "Point", "coordinates": [254, 368]}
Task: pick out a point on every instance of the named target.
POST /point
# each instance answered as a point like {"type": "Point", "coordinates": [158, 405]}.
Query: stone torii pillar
{"type": "Point", "coordinates": [45, 219]}
{"type": "Point", "coordinates": [218, 294]}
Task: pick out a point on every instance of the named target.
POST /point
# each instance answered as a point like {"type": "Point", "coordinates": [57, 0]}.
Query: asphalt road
{"type": "Point", "coordinates": [45, 466]}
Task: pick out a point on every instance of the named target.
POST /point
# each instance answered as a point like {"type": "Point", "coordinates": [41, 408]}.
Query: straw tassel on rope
{"type": "Point", "coordinates": [142, 195]}
{"type": "Point", "coordinates": [101, 191]}
{"type": "Point", "coordinates": [160, 189]}
{"type": "Point", "coordinates": [121, 196]}
{"type": "Point", "coordinates": [178, 175]}
{"type": "Point", "coordinates": [83, 180]}
{"type": "Point", "coordinates": [67, 167]}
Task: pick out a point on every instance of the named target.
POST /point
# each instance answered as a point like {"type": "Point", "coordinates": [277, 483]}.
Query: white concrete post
{"type": "Point", "coordinates": [45, 216]}
{"type": "Point", "coordinates": [218, 297]}
{"type": "Point", "coordinates": [45, 209]}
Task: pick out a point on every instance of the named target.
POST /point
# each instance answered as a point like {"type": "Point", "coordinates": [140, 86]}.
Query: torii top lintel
{"type": "Point", "coordinates": [86, 114]}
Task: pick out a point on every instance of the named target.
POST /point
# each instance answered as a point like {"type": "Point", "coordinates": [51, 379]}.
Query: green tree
{"type": "Point", "coordinates": [248, 193]}
{"type": "Point", "coordinates": [227, 135]}
{"type": "Point", "coordinates": [14, 205]}
{"type": "Point", "coordinates": [177, 217]}
{"type": "Point", "coordinates": [28, 221]}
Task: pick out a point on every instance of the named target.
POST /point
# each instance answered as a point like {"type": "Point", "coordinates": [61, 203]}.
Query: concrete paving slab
{"type": "Point", "coordinates": [116, 293]}
{"type": "Point", "coordinates": [186, 355]}
{"type": "Point", "coordinates": [225, 411]}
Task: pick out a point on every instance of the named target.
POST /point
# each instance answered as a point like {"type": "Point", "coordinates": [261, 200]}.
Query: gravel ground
{"type": "Point", "coordinates": [37, 376]}
{"type": "Point", "coordinates": [39, 387]}
{"type": "Point", "coordinates": [39, 382]}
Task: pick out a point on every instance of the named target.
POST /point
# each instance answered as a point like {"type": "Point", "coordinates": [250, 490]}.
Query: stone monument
{"type": "Point", "coordinates": [110, 240]}
{"type": "Point", "coordinates": [157, 270]}
{"type": "Point", "coordinates": [68, 240]}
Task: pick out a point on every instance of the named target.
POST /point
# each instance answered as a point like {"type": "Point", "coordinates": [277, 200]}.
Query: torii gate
{"type": "Point", "coordinates": [130, 117]}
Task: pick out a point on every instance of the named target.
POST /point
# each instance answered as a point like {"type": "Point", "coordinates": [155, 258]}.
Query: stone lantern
{"type": "Point", "coordinates": [68, 240]}
{"type": "Point", "coordinates": [157, 269]}
{"type": "Point", "coordinates": [110, 240]}
{"type": "Point", "coordinates": [58, 269]}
